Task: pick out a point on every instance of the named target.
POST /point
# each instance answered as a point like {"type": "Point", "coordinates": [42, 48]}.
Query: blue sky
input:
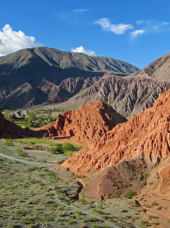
{"type": "Point", "coordinates": [136, 31]}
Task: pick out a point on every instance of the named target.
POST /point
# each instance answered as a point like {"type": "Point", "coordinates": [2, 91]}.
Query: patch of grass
{"type": "Point", "coordinates": [68, 146]}
{"type": "Point", "coordinates": [47, 219]}
{"type": "Point", "coordinates": [149, 217]}
{"type": "Point", "coordinates": [8, 143]}
{"type": "Point", "coordinates": [31, 169]}
{"type": "Point", "coordinates": [69, 149]}
{"type": "Point", "coordinates": [144, 223]}
{"type": "Point", "coordinates": [56, 149]}
{"type": "Point", "coordinates": [129, 194]}
{"type": "Point", "coordinates": [93, 220]}
{"type": "Point", "coordinates": [154, 203]}
{"type": "Point", "coordinates": [124, 185]}
{"type": "Point", "coordinates": [21, 153]}
{"type": "Point", "coordinates": [128, 165]}
{"type": "Point", "coordinates": [97, 210]}
{"type": "Point", "coordinates": [34, 141]}
{"type": "Point", "coordinates": [155, 223]}
{"type": "Point", "coordinates": [71, 222]}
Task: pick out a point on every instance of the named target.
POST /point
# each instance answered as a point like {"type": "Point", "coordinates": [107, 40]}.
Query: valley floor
{"type": "Point", "coordinates": [32, 194]}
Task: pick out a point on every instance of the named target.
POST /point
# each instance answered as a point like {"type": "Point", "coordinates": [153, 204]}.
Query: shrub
{"type": "Point", "coordinates": [8, 143]}
{"type": "Point", "coordinates": [68, 146]}
{"type": "Point", "coordinates": [130, 194]}
{"type": "Point", "coordinates": [72, 222]}
{"type": "Point", "coordinates": [47, 219]}
{"type": "Point", "coordinates": [31, 169]}
{"type": "Point", "coordinates": [21, 153]}
{"type": "Point", "coordinates": [56, 149]}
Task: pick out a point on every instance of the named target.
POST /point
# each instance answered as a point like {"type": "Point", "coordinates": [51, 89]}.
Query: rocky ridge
{"type": "Point", "coordinates": [122, 160]}
{"type": "Point", "coordinates": [87, 124]}
{"type": "Point", "coordinates": [45, 72]}
{"type": "Point", "coordinates": [145, 135]}
{"type": "Point", "coordinates": [159, 69]}
{"type": "Point", "coordinates": [127, 95]}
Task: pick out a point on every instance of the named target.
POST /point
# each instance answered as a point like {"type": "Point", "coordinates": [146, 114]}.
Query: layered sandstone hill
{"type": "Point", "coordinates": [145, 136]}
{"type": "Point", "coordinates": [11, 130]}
{"type": "Point", "coordinates": [87, 124]}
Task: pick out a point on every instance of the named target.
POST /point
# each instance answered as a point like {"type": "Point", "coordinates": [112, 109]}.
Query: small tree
{"type": "Point", "coordinates": [30, 119]}
{"type": "Point", "coordinates": [7, 115]}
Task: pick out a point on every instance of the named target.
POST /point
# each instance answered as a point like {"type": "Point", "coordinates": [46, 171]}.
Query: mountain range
{"type": "Point", "coordinates": [54, 79]}
{"type": "Point", "coordinates": [38, 75]}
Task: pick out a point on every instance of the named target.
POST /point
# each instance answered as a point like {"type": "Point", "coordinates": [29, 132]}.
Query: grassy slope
{"type": "Point", "coordinates": [33, 197]}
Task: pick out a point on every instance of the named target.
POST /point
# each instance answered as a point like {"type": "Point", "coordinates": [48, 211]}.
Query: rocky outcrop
{"type": "Point", "coordinates": [115, 181]}
{"type": "Point", "coordinates": [127, 95]}
{"type": "Point", "coordinates": [144, 136]}
{"type": "Point", "coordinates": [164, 184]}
{"type": "Point", "coordinates": [87, 124]}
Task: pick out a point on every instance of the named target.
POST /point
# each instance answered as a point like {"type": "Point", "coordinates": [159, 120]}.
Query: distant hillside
{"type": "Point", "coordinates": [40, 75]}
{"type": "Point", "coordinates": [128, 95]}
{"type": "Point", "coordinates": [159, 69]}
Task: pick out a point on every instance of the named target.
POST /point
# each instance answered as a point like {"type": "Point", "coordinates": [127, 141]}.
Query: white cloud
{"type": "Point", "coordinates": [81, 10]}
{"type": "Point", "coordinates": [140, 22]}
{"type": "Point", "coordinates": [157, 26]}
{"type": "Point", "coordinates": [148, 27]}
{"type": "Point", "coordinates": [137, 33]}
{"type": "Point", "coordinates": [117, 29]}
{"type": "Point", "coordinates": [152, 25]}
{"type": "Point", "coordinates": [82, 50]}
{"type": "Point", "coordinates": [11, 41]}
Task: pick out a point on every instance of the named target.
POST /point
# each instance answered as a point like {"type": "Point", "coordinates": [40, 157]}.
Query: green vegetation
{"type": "Point", "coordinates": [55, 148]}
{"type": "Point", "coordinates": [32, 141]}
{"type": "Point", "coordinates": [31, 169]}
{"type": "Point", "coordinates": [21, 153]}
{"type": "Point", "coordinates": [33, 120]}
{"type": "Point", "coordinates": [33, 196]}
{"type": "Point", "coordinates": [128, 165]}
{"type": "Point", "coordinates": [7, 115]}
{"type": "Point", "coordinates": [129, 194]}
{"type": "Point", "coordinates": [69, 148]}
{"type": "Point", "coordinates": [64, 148]}
{"type": "Point", "coordinates": [8, 143]}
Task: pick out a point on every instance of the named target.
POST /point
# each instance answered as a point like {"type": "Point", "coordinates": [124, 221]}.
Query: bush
{"type": "Point", "coordinates": [21, 153]}
{"type": "Point", "coordinates": [56, 149]}
{"type": "Point", "coordinates": [31, 168]}
{"type": "Point", "coordinates": [68, 147]}
{"type": "Point", "coordinates": [130, 194]}
{"type": "Point", "coordinates": [8, 143]}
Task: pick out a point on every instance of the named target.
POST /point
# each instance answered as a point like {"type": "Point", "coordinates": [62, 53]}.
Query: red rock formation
{"type": "Point", "coordinates": [144, 136]}
{"type": "Point", "coordinates": [87, 124]}
{"type": "Point", "coordinates": [164, 185]}
{"type": "Point", "coordinates": [115, 180]}
{"type": "Point", "coordinates": [11, 130]}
